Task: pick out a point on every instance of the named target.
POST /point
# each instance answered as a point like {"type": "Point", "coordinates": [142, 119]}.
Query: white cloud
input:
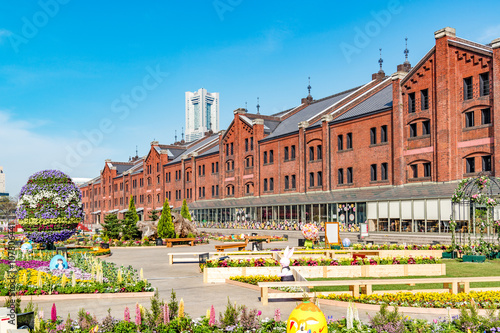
{"type": "Point", "coordinates": [490, 34]}
{"type": "Point", "coordinates": [23, 152]}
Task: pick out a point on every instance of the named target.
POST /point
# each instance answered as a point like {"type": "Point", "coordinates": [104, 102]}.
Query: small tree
{"type": "Point", "coordinates": [111, 226]}
{"type": "Point", "coordinates": [153, 215]}
{"type": "Point", "coordinates": [165, 224]}
{"type": "Point", "coordinates": [129, 223]}
{"type": "Point", "coordinates": [185, 211]}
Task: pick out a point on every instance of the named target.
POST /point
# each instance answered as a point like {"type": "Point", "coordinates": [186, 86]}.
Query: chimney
{"type": "Point", "coordinates": [450, 32]}
{"type": "Point", "coordinates": [240, 111]}
{"type": "Point", "coordinates": [379, 75]}
{"type": "Point", "coordinates": [307, 100]}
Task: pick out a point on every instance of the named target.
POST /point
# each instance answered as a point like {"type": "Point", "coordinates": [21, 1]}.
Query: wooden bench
{"type": "Point", "coordinates": [452, 285]}
{"type": "Point", "coordinates": [239, 246]}
{"type": "Point", "coordinates": [258, 238]}
{"type": "Point", "coordinates": [170, 241]}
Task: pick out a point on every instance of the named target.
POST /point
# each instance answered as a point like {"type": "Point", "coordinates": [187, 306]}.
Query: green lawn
{"type": "Point", "coordinates": [453, 269]}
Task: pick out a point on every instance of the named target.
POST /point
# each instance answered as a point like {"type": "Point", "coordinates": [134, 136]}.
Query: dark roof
{"type": "Point", "coordinates": [213, 150]}
{"type": "Point", "coordinates": [291, 123]}
{"type": "Point", "coordinates": [121, 168]}
{"type": "Point", "coordinates": [383, 193]}
{"type": "Point", "coordinates": [196, 146]}
{"type": "Point", "coordinates": [381, 100]}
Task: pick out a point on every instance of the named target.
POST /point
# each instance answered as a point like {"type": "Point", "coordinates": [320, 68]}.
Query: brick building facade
{"type": "Point", "coordinates": [389, 152]}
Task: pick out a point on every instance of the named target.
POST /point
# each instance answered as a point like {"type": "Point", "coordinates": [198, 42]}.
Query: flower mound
{"type": "Point", "coordinates": [310, 232]}
{"type": "Point", "coordinates": [50, 207]}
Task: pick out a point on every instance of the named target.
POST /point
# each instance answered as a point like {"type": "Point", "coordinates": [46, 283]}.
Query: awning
{"type": "Point", "coordinates": [113, 211]}
{"type": "Point", "coordinates": [140, 209]}
{"type": "Point", "coordinates": [96, 212]}
{"type": "Point", "coordinates": [123, 210]}
{"type": "Point", "coordinates": [159, 208]}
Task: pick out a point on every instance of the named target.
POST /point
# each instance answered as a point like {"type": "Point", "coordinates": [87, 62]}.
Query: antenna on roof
{"type": "Point", "coordinates": [309, 86]}
{"type": "Point", "coordinates": [182, 133]}
{"type": "Point", "coordinates": [175, 140]}
{"type": "Point", "coordinates": [246, 107]}
{"type": "Point", "coordinates": [258, 106]}
{"type": "Point", "coordinates": [380, 61]}
{"type": "Point", "coordinates": [406, 51]}
{"type": "Point", "coordinates": [136, 152]}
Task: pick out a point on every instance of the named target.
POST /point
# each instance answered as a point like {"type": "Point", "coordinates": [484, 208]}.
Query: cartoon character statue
{"type": "Point", "coordinates": [286, 274]}
{"type": "Point", "coordinates": [306, 318]}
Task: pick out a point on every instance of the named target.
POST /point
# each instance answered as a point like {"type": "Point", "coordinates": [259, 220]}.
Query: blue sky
{"type": "Point", "coordinates": [67, 66]}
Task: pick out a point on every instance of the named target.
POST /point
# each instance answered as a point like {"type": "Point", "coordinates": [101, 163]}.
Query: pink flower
{"type": "Point", "coordinates": [53, 313]}
{"type": "Point", "coordinates": [277, 315]}
{"type": "Point", "coordinates": [259, 313]}
{"type": "Point", "coordinates": [126, 315]}
{"type": "Point", "coordinates": [211, 321]}
{"type": "Point", "coordinates": [166, 314]}
{"type": "Point", "coordinates": [138, 318]}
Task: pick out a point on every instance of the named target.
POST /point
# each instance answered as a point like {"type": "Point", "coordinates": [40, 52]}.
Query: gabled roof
{"type": "Point", "coordinates": [213, 150]}
{"type": "Point", "coordinates": [199, 146]}
{"type": "Point", "coordinates": [379, 101]}
{"type": "Point", "coordinates": [290, 124]}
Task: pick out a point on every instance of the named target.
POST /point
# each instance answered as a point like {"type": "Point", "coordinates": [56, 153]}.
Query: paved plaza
{"type": "Point", "coordinates": [186, 280]}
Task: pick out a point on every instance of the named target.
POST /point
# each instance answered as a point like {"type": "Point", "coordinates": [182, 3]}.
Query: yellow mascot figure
{"type": "Point", "coordinates": [306, 318]}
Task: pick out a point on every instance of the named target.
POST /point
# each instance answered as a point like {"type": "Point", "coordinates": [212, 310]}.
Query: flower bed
{"type": "Point", "coordinates": [357, 246]}
{"type": "Point", "coordinates": [255, 279]}
{"type": "Point", "coordinates": [483, 299]}
{"type": "Point", "coordinates": [324, 262]}
{"type": "Point", "coordinates": [85, 274]}
{"type": "Point", "coordinates": [218, 271]}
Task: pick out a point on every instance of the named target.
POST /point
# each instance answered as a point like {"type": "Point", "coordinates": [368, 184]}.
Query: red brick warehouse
{"type": "Point", "coordinates": [389, 152]}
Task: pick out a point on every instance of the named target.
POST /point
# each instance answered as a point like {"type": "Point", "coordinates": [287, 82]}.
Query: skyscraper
{"type": "Point", "coordinates": [202, 113]}
{"type": "Point", "coordinates": [2, 182]}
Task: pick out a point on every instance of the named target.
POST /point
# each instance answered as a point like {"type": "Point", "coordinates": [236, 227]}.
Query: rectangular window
{"type": "Point", "coordinates": [373, 172]}
{"type": "Point", "coordinates": [232, 150]}
{"type": "Point", "coordinates": [311, 153]}
{"type": "Point", "coordinates": [319, 152]}
{"type": "Point", "coordinates": [203, 170]}
{"type": "Point", "coordinates": [411, 102]}
{"type": "Point", "coordinates": [287, 182]}
{"type": "Point", "coordinates": [413, 130]}
{"type": "Point", "coordinates": [349, 176]}
{"type": "Point", "coordinates": [427, 169]}
{"type": "Point", "coordinates": [340, 142]}
{"type": "Point", "coordinates": [373, 135]}
{"type": "Point", "coordinates": [213, 167]}
{"type": "Point", "coordinates": [484, 80]}
{"type": "Point", "coordinates": [227, 149]}
{"type": "Point", "coordinates": [271, 184]}
{"type": "Point", "coordinates": [383, 171]}
{"type": "Point", "coordinates": [383, 133]}
{"type": "Point", "coordinates": [217, 190]}
{"type": "Point", "coordinates": [426, 127]}
{"type": "Point", "coordinates": [246, 144]}
{"type": "Point", "coordinates": [319, 179]}
{"type": "Point", "coordinates": [311, 179]}
{"type": "Point", "coordinates": [216, 167]}
{"type": "Point", "coordinates": [348, 142]}
{"type": "Point", "coordinates": [469, 119]}
{"type": "Point", "coordinates": [485, 116]}
{"type": "Point", "coordinates": [340, 176]}
{"type": "Point", "coordinates": [424, 99]}
{"type": "Point", "coordinates": [265, 184]}
{"type": "Point", "coordinates": [414, 171]}
{"type": "Point", "coordinates": [292, 152]}
{"type": "Point", "coordinates": [271, 156]}
{"type": "Point", "coordinates": [293, 182]}
{"type": "Point", "coordinates": [251, 143]}
{"type": "Point", "coordinates": [470, 165]}
{"type": "Point", "coordinates": [199, 170]}
{"type": "Point", "coordinates": [213, 191]}
{"type": "Point", "coordinates": [486, 163]}
{"type": "Point", "coordinates": [468, 88]}
{"type": "Point", "coordinates": [286, 153]}
{"type": "Point", "coordinates": [265, 157]}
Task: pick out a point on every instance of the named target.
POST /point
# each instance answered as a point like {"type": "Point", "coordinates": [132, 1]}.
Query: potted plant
{"type": "Point", "coordinates": [105, 243]}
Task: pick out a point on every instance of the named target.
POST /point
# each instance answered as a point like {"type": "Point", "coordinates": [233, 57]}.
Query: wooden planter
{"type": "Point", "coordinates": [220, 274]}
{"type": "Point", "coordinates": [450, 255]}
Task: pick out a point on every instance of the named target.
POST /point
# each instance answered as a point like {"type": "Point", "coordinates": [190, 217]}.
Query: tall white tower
{"type": "Point", "coordinates": [202, 113]}
{"type": "Point", "coordinates": [2, 180]}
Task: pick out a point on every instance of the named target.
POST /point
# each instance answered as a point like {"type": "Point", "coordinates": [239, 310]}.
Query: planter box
{"type": "Point", "coordinates": [450, 255]}
{"type": "Point", "coordinates": [220, 274]}
{"type": "Point", "coordinates": [473, 258]}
